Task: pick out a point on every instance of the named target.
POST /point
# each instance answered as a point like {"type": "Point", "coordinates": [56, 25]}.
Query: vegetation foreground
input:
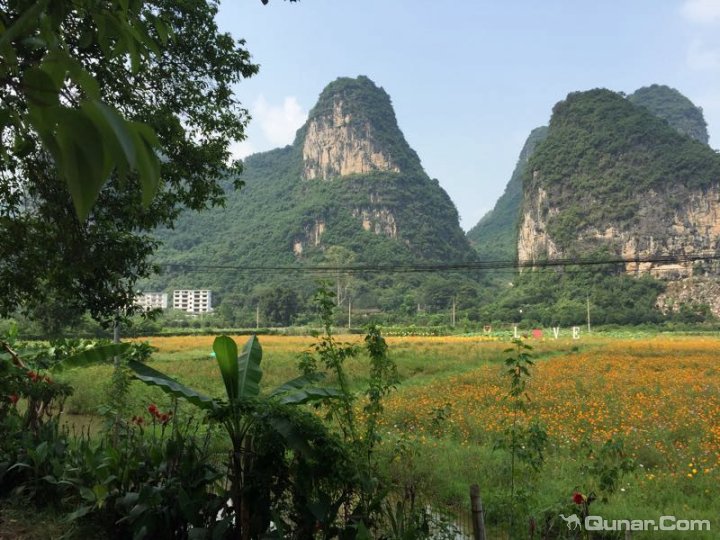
{"type": "Point", "coordinates": [625, 428]}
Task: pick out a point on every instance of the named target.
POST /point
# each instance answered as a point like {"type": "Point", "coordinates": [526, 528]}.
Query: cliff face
{"type": "Point", "coordinates": [663, 227]}
{"type": "Point", "coordinates": [338, 145]}
{"type": "Point", "coordinates": [613, 179]}
{"type": "Point", "coordinates": [371, 181]}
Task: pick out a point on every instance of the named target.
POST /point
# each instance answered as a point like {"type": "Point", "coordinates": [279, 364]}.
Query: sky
{"type": "Point", "coordinates": [469, 79]}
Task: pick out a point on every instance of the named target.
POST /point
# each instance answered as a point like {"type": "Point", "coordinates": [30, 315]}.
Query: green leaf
{"type": "Point", "coordinates": [25, 22]}
{"type": "Point", "coordinates": [249, 369]}
{"type": "Point", "coordinates": [297, 391]}
{"type": "Point", "coordinates": [226, 355]}
{"type": "Point", "coordinates": [308, 394]}
{"type": "Point", "coordinates": [96, 355]}
{"type": "Point", "coordinates": [87, 494]}
{"type": "Point", "coordinates": [297, 383]}
{"type": "Point", "coordinates": [83, 79]}
{"type": "Point", "coordinates": [290, 432]}
{"type": "Point", "coordinates": [80, 512]}
{"type": "Point", "coordinates": [100, 491]}
{"type": "Point", "coordinates": [40, 88]}
{"type": "Point", "coordinates": [146, 163]}
{"type": "Point", "coordinates": [117, 133]}
{"type": "Point", "coordinates": [162, 30]}
{"type": "Point", "coordinates": [83, 160]}
{"type": "Point", "coordinates": [56, 64]}
{"type": "Point", "coordinates": [152, 377]}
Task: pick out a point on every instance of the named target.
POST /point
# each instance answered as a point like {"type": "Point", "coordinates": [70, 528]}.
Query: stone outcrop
{"type": "Point", "coordinates": [534, 242]}
{"type": "Point", "coordinates": [379, 220]}
{"type": "Point", "coordinates": [689, 291]}
{"type": "Point", "coordinates": [337, 144]}
{"type": "Point", "coordinates": [675, 223]}
{"type": "Point", "coordinates": [311, 237]}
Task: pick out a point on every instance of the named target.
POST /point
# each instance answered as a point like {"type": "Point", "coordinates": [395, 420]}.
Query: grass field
{"type": "Point", "coordinates": [659, 395]}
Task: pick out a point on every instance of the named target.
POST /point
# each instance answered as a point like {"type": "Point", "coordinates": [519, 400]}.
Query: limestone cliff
{"type": "Point", "coordinates": [661, 228]}
{"type": "Point", "coordinates": [311, 236]}
{"type": "Point", "coordinates": [353, 130]}
{"type": "Point", "coordinates": [338, 145]}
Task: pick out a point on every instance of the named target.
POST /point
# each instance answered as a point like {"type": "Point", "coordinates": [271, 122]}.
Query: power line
{"type": "Point", "coordinates": [324, 270]}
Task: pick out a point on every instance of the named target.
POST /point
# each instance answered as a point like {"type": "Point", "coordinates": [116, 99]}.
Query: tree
{"type": "Point", "coordinates": [107, 89]}
{"type": "Point", "coordinates": [345, 284]}
{"type": "Point", "coordinates": [278, 305]}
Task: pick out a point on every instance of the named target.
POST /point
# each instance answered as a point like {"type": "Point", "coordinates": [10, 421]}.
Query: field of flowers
{"type": "Point", "coordinates": [659, 396]}
{"type": "Point", "coordinates": [662, 395]}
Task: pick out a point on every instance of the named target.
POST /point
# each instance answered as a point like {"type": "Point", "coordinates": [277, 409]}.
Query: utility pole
{"type": "Point", "coordinates": [588, 313]}
{"type": "Point", "coordinates": [116, 337]}
{"type": "Point", "coordinates": [453, 312]}
{"type": "Point", "coordinates": [349, 312]}
{"type": "Point", "coordinates": [257, 316]}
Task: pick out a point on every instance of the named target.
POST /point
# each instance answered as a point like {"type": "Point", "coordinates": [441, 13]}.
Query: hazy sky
{"type": "Point", "coordinates": [469, 79]}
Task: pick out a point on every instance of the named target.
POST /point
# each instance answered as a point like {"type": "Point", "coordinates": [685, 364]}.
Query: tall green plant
{"type": "Point", "coordinates": [359, 433]}
{"type": "Point", "coordinates": [525, 442]}
{"type": "Point", "coordinates": [258, 426]}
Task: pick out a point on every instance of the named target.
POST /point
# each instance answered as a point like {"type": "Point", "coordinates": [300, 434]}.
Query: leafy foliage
{"type": "Point", "coordinates": [52, 96]}
{"type": "Point", "coordinates": [557, 298]}
{"type": "Point", "coordinates": [277, 452]}
{"type": "Point", "coordinates": [139, 83]}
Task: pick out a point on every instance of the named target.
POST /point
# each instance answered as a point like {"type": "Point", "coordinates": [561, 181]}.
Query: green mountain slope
{"type": "Point", "coordinates": [613, 178]}
{"type": "Point", "coordinates": [349, 190]}
{"type": "Point", "coordinates": [495, 235]}
{"type": "Point", "coordinates": [602, 159]}
{"type": "Point", "coordinates": [670, 105]}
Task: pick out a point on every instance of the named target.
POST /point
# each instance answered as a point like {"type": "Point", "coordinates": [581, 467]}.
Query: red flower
{"type": "Point", "coordinates": [13, 398]}
{"type": "Point", "coordinates": [152, 409]}
{"type": "Point", "coordinates": [578, 498]}
{"type": "Point", "coordinates": [164, 418]}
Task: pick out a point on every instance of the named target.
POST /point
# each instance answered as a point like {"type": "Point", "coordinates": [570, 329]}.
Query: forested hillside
{"type": "Point", "coordinates": [495, 235]}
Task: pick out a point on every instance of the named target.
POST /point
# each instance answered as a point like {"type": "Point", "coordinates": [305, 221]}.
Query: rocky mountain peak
{"type": "Point", "coordinates": [353, 130]}
{"type": "Point", "coordinates": [673, 107]}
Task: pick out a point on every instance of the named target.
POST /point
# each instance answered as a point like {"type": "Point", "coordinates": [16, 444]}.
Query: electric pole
{"type": "Point", "coordinates": [588, 313]}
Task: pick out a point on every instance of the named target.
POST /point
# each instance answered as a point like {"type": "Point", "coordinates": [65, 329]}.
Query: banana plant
{"type": "Point", "coordinates": [242, 408]}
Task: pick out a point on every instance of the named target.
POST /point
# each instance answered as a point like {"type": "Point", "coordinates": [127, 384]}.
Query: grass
{"type": "Point", "coordinates": [660, 394]}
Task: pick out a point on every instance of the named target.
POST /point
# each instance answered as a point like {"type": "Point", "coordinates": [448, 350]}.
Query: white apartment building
{"type": "Point", "coordinates": [152, 300]}
{"type": "Point", "coordinates": [193, 301]}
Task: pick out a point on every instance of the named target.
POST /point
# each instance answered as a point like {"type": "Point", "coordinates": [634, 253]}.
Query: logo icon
{"type": "Point", "coordinates": [573, 522]}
